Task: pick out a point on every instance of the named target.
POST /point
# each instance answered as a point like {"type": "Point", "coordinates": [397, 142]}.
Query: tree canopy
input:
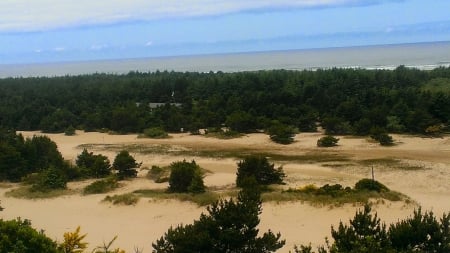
{"type": "Point", "coordinates": [343, 101]}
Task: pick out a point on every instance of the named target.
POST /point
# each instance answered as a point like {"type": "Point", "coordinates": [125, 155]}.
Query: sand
{"type": "Point", "coordinates": [299, 223]}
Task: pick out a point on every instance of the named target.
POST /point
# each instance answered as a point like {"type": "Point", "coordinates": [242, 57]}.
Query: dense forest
{"type": "Point", "coordinates": [343, 101]}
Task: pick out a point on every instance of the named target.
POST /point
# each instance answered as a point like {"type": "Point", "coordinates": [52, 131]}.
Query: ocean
{"type": "Point", "coordinates": [416, 55]}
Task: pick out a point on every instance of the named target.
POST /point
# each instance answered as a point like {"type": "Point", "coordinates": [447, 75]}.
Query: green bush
{"type": "Point", "coordinates": [370, 185]}
{"type": "Point", "coordinates": [50, 179]}
{"type": "Point", "coordinates": [155, 133]}
{"type": "Point", "coordinates": [126, 165]}
{"type": "Point", "coordinates": [281, 133]}
{"type": "Point", "coordinates": [260, 169]}
{"type": "Point", "coordinates": [18, 236]}
{"type": "Point", "coordinates": [186, 177]}
{"type": "Point", "coordinates": [327, 141]}
{"type": "Point", "coordinates": [70, 131]}
{"type": "Point", "coordinates": [101, 186]}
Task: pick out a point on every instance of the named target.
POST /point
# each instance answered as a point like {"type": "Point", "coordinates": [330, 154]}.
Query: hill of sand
{"type": "Point", "coordinates": [423, 175]}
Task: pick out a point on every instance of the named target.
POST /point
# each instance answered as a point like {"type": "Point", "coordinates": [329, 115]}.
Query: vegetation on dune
{"type": "Point", "coordinates": [125, 165]}
{"type": "Point", "coordinates": [186, 177]}
{"type": "Point", "coordinates": [102, 186]}
{"type": "Point", "coordinates": [422, 232]}
{"type": "Point", "coordinates": [258, 168]}
{"type": "Point", "coordinates": [363, 192]}
{"type": "Point", "coordinates": [327, 141]}
{"type": "Point", "coordinates": [228, 226]}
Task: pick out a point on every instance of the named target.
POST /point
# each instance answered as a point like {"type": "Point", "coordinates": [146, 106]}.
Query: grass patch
{"type": "Point", "coordinates": [201, 199]}
{"type": "Point", "coordinates": [127, 199]}
{"type": "Point", "coordinates": [101, 186]}
{"type": "Point", "coordinates": [26, 192]}
{"type": "Point", "coordinates": [390, 163]}
{"type": "Point", "coordinates": [336, 195]}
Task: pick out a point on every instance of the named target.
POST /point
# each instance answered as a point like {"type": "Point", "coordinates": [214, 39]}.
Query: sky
{"type": "Point", "coordinates": [40, 31]}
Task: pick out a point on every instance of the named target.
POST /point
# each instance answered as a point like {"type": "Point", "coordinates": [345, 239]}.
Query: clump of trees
{"type": "Point", "coordinates": [281, 133]}
{"type": "Point", "coordinates": [186, 177]}
{"type": "Point", "coordinates": [258, 168]}
{"type": "Point", "coordinates": [327, 141]}
{"type": "Point", "coordinates": [93, 166]}
{"type": "Point", "coordinates": [228, 226]}
{"type": "Point", "coordinates": [125, 165]}
{"type": "Point", "coordinates": [422, 232]}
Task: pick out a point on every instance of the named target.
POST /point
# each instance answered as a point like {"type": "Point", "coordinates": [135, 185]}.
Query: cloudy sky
{"type": "Point", "coordinates": [68, 30]}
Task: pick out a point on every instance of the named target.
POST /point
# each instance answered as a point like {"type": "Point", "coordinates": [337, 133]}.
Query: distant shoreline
{"type": "Point", "coordinates": [423, 55]}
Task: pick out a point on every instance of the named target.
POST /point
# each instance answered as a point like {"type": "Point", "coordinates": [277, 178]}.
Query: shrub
{"type": "Point", "coordinates": [125, 165]}
{"type": "Point", "coordinates": [101, 186]}
{"type": "Point", "coordinates": [228, 226]}
{"type": "Point", "coordinates": [186, 177]}
{"type": "Point", "coordinates": [70, 131]}
{"type": "Point", "coordinates": [381, 136]}
{"type": "Point", "coordinates": [18, 236]}
{"type": "Point", "coordinates": [50, 179]}
{"type": "Point", "coordinates": [155, 132]}
{"type": "Point", "coordinates": [281, 133]}
{"type": "Point", "coordinates": [370, 185]}
{"type": "Point", "coordinates": [91, 165]}
{"type": "Point", "coordinates": [327, 141]}
{"type": "Point", "coordinates": [260, 169]}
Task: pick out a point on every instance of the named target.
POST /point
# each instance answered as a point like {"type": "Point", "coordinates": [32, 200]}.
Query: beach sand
{"type": "Point", "coordinates": [299, 223]}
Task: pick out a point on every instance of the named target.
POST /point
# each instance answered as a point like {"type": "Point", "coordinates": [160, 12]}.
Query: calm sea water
{"type": "Point", "coordinates": [417, 55]}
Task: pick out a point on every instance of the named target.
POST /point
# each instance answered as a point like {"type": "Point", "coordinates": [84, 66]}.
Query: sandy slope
{"type": "Point", "coordinates": [142, 224]}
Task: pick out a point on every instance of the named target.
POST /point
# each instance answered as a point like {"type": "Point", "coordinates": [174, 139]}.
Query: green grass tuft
{"type": "Point", "coordinates": [123, 199]}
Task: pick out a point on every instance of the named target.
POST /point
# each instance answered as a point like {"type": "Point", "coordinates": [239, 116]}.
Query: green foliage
{"type": "Point", "coordinates": [91, 165]}
{"type": "Point", "coordinates": [259, 168]}
{"type": "Point", "coordinates": [342, 100]}
{"type": "Point", "coordinates": [422, 232]}
{"type": "Point", "coordinates": [125, 165]}
{"type": "Point", "coordinates": [381, 136]}
{"type": "Point", "coordinates": [186, 177]}
{"type": "Point", "coordinates": [327, 141]}
{"type": "Point", "coordinates": [229, 226]}
{"type": "Point", "coordinates": [336, 194]}
{"type": "Point", "coordinates": [155, 133]}
{"type": "Point", "coordinates": [70, 131]}
{"type": "Point", "coordinates": [18, 236]}
{"type": "Point", "coordinates": [201, 199]}
{"type": "Point", "coordinates": [101, 186]}
{"type": "Point", "coordinates": [281, 133]}
{"type": "Point", "coordinates": [50, 179]}
{"type": "Point", "coordinates": [366, 233]}
{"type": "Point", "coordinates": [366, 184]}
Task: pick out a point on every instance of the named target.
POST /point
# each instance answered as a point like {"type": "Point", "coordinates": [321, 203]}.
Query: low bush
{"type": "Point", "coordinates": [123, 199]}
{"type": "Point", "coordinates": [101, 186]}
{"type": "Point", "coordinates": [327, 141]}
{"type": "Point", "coordinates": [155, 133]}
{"type": "Point", "coordinates": [370, 185]}
{"type": "Point", "coordinates": [50, 179]}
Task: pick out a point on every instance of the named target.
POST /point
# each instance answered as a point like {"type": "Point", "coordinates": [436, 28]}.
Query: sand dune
{"type": "Point", "coordinates": [142, 224]}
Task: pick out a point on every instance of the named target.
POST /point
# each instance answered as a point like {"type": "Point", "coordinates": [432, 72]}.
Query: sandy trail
{"type": "Point", "coordinates": [142, 224]}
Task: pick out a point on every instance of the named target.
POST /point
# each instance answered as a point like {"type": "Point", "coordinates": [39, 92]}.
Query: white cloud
{"type": "Point", "coordinates": [41, 15]}
{"type": "Point", "coordinates": [149, 43]}
{"type": "Point", "coordinates": [59, 49]}
{"type": "Point", "coordinates": [98, 47]}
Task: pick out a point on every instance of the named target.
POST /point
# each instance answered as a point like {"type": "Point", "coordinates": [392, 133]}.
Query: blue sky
{"type": "Point", "coordinates": [68, 30]}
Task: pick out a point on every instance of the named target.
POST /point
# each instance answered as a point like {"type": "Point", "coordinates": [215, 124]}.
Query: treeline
{"type": "Point", "coordinates": [343, 101]}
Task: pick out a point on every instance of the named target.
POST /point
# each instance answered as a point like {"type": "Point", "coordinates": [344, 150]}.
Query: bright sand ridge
{"type": "Point", "coordinates": [299, 223]}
